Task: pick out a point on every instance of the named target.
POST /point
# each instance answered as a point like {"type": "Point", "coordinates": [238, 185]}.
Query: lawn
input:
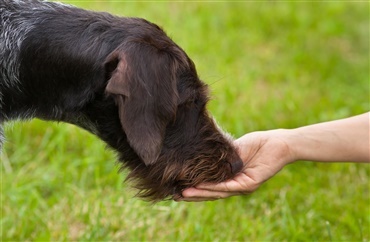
{"type": "Point", "coordinates": [269, 65]}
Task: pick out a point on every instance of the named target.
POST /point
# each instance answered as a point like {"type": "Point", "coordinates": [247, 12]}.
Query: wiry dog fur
{"type": "Point", "coordinates": [123, 80]}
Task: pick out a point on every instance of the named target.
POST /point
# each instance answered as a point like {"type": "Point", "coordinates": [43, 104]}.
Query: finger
{"type": "Point", "coordinates": [203, 199]}
{"type": "Point", "coordinates": [206, 194]}
{"type": "Point", "coordinates": [194, 192]}
{"type": "Point", "coordinates": [195, 199]}
{"type": "Point", "coordinates": [227, 186]}
{"type": "Point", "coordinates": [240, 183]}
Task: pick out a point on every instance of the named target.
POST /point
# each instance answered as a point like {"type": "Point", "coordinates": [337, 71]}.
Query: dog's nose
{"type": "Point", "coordinates": [236, 166]}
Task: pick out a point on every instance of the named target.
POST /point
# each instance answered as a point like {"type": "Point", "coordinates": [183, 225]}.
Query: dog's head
{"type": "Point", "coordinates": [162, 110]}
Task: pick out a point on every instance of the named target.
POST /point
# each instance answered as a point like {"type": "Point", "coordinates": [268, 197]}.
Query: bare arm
{"type": "Point", "coordinates": [340, 140]}
{"type": "Point", "coordinates": [265, 153]}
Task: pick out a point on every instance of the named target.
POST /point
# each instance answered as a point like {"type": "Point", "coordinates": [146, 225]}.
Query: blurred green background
{"type": "Point", "coordinates": [269, 65]}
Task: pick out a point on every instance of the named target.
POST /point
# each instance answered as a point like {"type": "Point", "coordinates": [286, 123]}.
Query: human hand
{"type": "Point", "coordinates": [264, 154]}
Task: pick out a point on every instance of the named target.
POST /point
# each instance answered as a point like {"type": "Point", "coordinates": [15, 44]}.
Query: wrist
{"type": "Point", "coordinates": [285, 142]}
{"type": "Point", "coordinates": [291, 139]}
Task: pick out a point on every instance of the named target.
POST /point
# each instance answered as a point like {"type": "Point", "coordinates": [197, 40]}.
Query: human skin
{"type": "Point", "coordinates": [265, 153]}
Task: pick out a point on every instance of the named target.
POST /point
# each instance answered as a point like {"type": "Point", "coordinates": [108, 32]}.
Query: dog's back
{"type": "Point", "coordinates": [47, 47]}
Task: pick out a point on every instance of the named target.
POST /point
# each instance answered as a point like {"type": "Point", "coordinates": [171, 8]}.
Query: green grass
{"type": "Point", "coordinates": [269, 65]}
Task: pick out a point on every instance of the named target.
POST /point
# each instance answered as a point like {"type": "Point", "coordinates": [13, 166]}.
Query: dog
{"type": "Point", "coordinates": [122, 79]}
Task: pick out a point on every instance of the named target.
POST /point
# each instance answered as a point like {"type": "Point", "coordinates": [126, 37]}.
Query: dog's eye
{"type": "Point", "coordinates": [192, 102]}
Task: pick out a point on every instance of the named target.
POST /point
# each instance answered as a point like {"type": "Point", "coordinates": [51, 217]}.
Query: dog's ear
{"type": "Point", "coordinates": [142, 81]}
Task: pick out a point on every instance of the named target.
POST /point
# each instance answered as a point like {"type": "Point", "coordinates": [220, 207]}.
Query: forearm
{"type": "Point", "coordinates": [340, 140]}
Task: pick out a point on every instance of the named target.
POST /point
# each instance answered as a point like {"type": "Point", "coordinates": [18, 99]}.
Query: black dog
{"type": "Point", "coordinates": [122, 79]}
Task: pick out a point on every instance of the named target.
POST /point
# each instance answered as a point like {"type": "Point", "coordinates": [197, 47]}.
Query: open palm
{"type": "Point", "coordinates": [264, 154]}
